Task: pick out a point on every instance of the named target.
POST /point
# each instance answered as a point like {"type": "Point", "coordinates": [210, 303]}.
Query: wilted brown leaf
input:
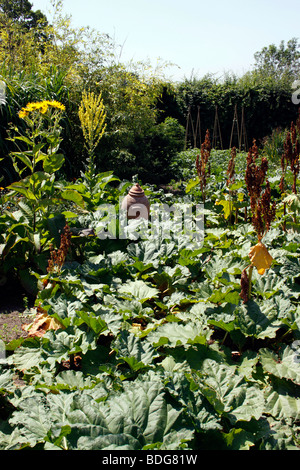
{"type": "Point", "coordinates": [42, 323]}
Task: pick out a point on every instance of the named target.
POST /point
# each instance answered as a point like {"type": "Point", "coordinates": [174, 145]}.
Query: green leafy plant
{"type": "Point", "coordinates": [92, 118]}
{"type": "Point", "coordinates": [290, 158]}
{"type": "Point", "coordinates": [28, 223]}
{"type": "Point", "coordinates": [148, 346]}
{"type": "Point", "coordinates": [42, 140]}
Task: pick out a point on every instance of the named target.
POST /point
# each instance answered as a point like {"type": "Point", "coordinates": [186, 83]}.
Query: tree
{"type": "Point", "coordinates": [23, 33]}
{"type": "Point", "coordinates": [20, 12]}
{"type": "Point", "coordinates": [282, 62]}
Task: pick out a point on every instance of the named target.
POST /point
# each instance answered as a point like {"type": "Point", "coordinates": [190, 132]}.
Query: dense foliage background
{"type": "Point", "coordinates": [149, 120]}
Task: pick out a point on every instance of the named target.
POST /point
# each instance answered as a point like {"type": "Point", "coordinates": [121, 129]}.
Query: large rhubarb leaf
{"type": "Point", "coordinates": [176, 334]}
{"type": "Point", "coordinates": [135, 352]}
{"type": "Point", "coordinates": [284, 365]}
{"type": "Point", "coordinates": [229, 393]}
{"type": "Point", "coordinates": [138, 290]}
{"type": "Point", "coordinates": [131, 419]}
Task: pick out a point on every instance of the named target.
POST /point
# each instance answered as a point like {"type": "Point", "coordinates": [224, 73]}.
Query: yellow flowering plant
{"type": "Point", "coordinates": [92, 118]}
{"type": "Point", "coordinates": [42, 107]}
{"type": "Point", "coordinates": [36, 162]}
{"type": "Point", "coordinates": [42, 138]}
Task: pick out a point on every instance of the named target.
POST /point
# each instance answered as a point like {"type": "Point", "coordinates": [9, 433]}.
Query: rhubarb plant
{"type": "Point", "coordinates": [151, 347]}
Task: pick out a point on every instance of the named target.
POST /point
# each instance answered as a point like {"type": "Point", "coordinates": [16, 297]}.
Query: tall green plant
{"type": "Point", "coordinates": [92, 117]}
{"type": "Point", "coordinates": [36, 197]}
{"type": "Point", "coordinates": [42, 140]}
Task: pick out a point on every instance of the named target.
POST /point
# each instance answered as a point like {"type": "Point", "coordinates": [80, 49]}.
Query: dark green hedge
{"type": "Point", "coordinates": [267, 105]}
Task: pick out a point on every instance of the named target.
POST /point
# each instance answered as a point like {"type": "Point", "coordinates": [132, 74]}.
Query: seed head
{"type": "Point", "coordinates": [57, 258]}
{"type": "Point", "coordinates": [244, 286]}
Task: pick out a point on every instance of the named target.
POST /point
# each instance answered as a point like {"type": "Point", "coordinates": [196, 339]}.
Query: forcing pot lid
{"type": "Point", "coordinates": [136, 191]}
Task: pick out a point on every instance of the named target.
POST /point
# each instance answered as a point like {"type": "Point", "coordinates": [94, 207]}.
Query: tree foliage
{"type": "Point", "coordinates": [281, 62]}
{"type": "Point", "coordinates": [20, 12]}
{"type": "Point", "coordinates": [146, 114]}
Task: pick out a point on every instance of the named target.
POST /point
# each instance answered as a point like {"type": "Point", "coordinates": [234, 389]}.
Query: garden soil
{"type": "Point", "coordinates": [14, 303]}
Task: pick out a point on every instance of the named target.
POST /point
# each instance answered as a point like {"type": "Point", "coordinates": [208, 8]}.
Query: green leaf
{"type": "Point", "coordinates": [24, 159]}
{"type": "Point", "coordinates": [73, 196]}
{"type": "Point", "coordinates": [191, 185]}
{"type": "Point", "coordinates": [223, 325]}
{"type": "Point", "coordinates": [218, 266]}
{"type": "Point", "coordinates": [69, 214]}
{"type": "Point", "coordinates": [25, 139]}
{"type": "Point", "coordinates": [33, 421]}
{"type": "Point", "coordinates": [138, 290]}
{"type": "Point", "coordinates": [60, 345]}
{"type": "Point", "coordinates": [239, 439]}
{"type": "Point", "coordinates": [146, 251]}
{"type": "Point", "coordinates": [174, 334]}
{"type": "Point", "coordinates": [237, 185]}
{"type": "Point", "coordinates": [132, 419]}
{"type": "Point", "coordinates": [281, 403]}
{"type": "Point", "coordinates": [227, 207]}
{"type": "Point", "coordinates": [144, 413]}
{"type": "Point", "coordinates": [133, 351]}
{"type": "Point", "coordinates": [95, 323]}
{"type": "Point", "coordinates": [259, 320]}
{"type": "Point", "coordinates": [285, 364]}
{"type": "Point", "coordinates": [29, 356]}
{"type": "Point", "coordinates": [229, 393]}
{"type": "Point", "coordinates": [53, 163]}
{"type": "Point", "coordinates": [77, 380]}
{"type": "Point", "coordinates": [6, 378]}
{"type": "Point", "coordinates": [269, 285]}
{"type": "Point", "coordinates": [277, 435]}
{"type": "Point", "coordinates": [37, 241]}
{"type": "Point", "coordinates": [27, 211]}
{"type": "Point", "coordinates": [37, 178]}
{"type": "Point", "coordinates": [219, 297]}
{"type": "Point", "coordinates": [41, 156]}
{"type": "Point", "coordinates": [21, 187]}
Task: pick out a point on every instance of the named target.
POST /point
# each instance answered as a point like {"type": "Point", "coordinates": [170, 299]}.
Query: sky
{"type": "Point", "coordinates": [198, 36]}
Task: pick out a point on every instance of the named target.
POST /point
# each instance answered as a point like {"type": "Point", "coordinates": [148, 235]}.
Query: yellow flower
{"type": "Point", "coordinates": [260, 257]}
{"type": "Point", "coordinates": [92, 117]}
{"type": "Point", "coordinates": [41, 106]}
{"type": "Point", "coordinates": [23, 113]}
{"type": "Point", "coordinates": [56, 104]}
{"type": "Point", "coordinates": [44, 107]}
{"type": "Point", "coordinates": [31, 107]}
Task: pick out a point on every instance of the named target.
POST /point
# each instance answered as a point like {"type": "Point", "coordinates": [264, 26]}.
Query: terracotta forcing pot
{"type": "Point", "coordinates": [136, 203]}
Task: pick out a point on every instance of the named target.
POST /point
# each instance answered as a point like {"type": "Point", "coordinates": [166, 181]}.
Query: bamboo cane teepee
{"type": "Point", "coordinates": [189, 130]}
{"type": "Point", "coordinates": [243, 135]}
{"type": "Point", "coordinates": [198, 141]}
{"type": "Point", "coordinates": [217, 137]}
{"type": "Point", "coordinates": [235, 131]}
